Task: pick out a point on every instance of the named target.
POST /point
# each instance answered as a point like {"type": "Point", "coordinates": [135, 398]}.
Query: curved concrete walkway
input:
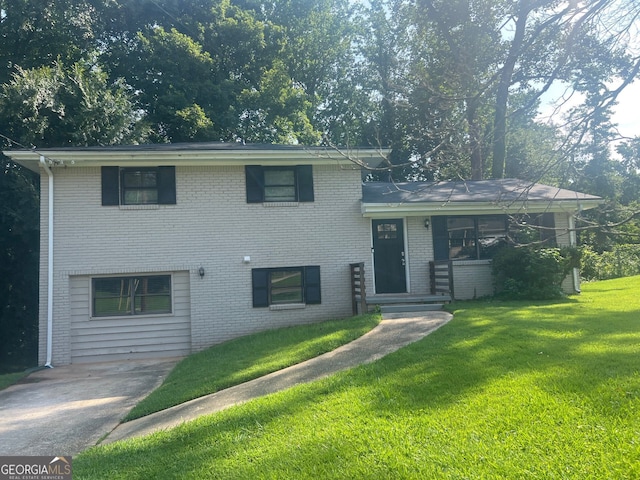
{"type": "Point", "coordinates": [394, 332]}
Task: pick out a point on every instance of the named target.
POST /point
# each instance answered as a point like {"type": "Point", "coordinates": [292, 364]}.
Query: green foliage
{"type": "Point", "coordinates": [58, 106]}
{"type": "Point", "coordinates": [620, 261]}
{"type": "Point", "coordinates": [532, 273]}
{"type": "Point", "coordinates": [8, 379]}
{"type": "Point", "coordinates": [19, 262]}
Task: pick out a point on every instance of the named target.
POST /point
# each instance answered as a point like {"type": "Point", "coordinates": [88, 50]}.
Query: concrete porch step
{"type": "Point", "coordinates": [393, 299]}
{"type": "Point", "coordinates": [406, 303]}
{"type": "Point", "coordinates": [411, 308]}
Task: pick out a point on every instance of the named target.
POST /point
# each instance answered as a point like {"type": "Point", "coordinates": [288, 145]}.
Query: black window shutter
{"type": "Point", "coordinates": [110, 186]}
{"type": "Point", "coordinates": [304, 174]}
{"type": "Point", "coordinates": [166, 185]}
{"type": "Point", "coordinates": [260, 287]}
{"type": "Point", "coordinates": [440, 238]}
{"type": "Point", "coordinates": [548, 234]}
{"type": "Point", "coordinates": [312, 285]}
{"type": "Point", "coordinates": [255, 183]}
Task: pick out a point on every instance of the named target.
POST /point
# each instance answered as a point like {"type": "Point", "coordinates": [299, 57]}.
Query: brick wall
{"type": "Point", "coordinates": [210, 226]}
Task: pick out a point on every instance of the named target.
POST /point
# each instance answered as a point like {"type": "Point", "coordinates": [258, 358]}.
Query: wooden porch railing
{"type": "Point", "coordinates": [441, 276]}
{"type": "Point", "coordinates": [358, 289]}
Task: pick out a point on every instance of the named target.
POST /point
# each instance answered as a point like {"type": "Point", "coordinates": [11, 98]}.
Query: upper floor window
{"type": "Point", "coordinates": [279, 184]}
{"type": "Point", "coordinates": [138, 186]}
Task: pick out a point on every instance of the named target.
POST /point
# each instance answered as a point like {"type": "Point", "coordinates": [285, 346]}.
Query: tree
{"type": "Point", "coordinates": [56, 106]}
{"type": "Point", "coordinates": [479, 67]}
{"type": "Point", "coordinates": [19, 244]}
{"type": "Point", "coordinates": [38, 33]}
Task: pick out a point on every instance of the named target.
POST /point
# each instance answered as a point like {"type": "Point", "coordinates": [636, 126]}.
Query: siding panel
{"type": "Point", "coordinates": [105, 339]}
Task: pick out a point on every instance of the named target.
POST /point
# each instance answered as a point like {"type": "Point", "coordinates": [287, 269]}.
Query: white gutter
{"type": "Point", "coordinates": [232, 157]}
{"type": "Point", "coordinates": [573, 241]}
{"type": "Point", "coordinates": [421, 209]}
{"type": "Point", "coordinates": [43, 162]}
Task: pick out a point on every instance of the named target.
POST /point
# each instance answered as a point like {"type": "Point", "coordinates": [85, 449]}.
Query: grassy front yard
{"type": "Point", "coordinates": [8, 379]}
{"type": "Point", "coordinates": [505, 390]}
{"type": "Point", "coordinates": [249, 357]}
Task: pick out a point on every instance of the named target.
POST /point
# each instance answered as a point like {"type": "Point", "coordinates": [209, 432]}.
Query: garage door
{"type": "Point", "coordinates": [132, 337]}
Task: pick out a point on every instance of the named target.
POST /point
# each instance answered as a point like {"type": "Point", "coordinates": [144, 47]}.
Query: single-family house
{"type": "Point", "coordinates": [163, 250]}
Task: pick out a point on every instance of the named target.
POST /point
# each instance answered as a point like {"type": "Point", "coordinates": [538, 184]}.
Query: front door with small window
{"type": "Point", "coordinates": [389, 256]}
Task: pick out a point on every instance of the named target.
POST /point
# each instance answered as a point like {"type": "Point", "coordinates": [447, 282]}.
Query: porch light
{"type": "Point", "coordinates": [201, 271]}
{"type": "Point", "coordinates": [426, 223]}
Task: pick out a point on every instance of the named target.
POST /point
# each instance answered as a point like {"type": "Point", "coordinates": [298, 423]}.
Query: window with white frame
{"type": "Point", "coordinates": [131, 295]}
{"type": "Point", "coordinates": [287, 285]}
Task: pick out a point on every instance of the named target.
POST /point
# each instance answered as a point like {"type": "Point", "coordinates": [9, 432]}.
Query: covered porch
{"type": "Point", "coordinates": [432, 242]}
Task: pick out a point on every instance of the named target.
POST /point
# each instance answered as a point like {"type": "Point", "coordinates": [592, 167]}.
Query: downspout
{"type": "Point", "coordinates": [43, 162]}
{"type": "Point", "coordinates": [573, 241]}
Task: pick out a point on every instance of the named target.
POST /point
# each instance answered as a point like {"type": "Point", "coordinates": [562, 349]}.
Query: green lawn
{"type": "Point", "coordinates": [8, 379]}
{"type": "Point", "coordinates": [504, 390]}
{"type": "Point", "coordinates": [250, 357]}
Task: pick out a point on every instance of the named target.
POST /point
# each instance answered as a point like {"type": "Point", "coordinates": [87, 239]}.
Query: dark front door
{"type": "Point", "coordinates": [388, 256]}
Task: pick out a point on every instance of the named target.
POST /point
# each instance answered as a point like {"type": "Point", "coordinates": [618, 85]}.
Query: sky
{"type": "Point", "coordinates": [627, 114]}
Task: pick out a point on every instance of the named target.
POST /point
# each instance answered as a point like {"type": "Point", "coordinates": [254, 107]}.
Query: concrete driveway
{"type": "Point", "coordinates": [64, 410]}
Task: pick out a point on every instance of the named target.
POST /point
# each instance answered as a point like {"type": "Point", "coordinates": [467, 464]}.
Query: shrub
{"type": "Point", "coordinates": [621, 261]}
{"type": "Point", "coordinates": [532, 273]}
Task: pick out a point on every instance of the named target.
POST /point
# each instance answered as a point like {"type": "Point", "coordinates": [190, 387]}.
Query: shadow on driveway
{"type": "Point", "coordinates": [64, 410]}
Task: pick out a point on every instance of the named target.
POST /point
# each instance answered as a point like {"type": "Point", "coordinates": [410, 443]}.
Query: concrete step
{"type": "Point", "coordinates": [392, 299]}
{"type": "Point", "coordinates": [411, 308]}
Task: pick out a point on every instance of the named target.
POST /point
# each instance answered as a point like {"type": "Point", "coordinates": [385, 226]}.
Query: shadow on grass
{"type": "Point", "coordinates": [575, 350]}
{"type": "Point", "coordinates": [572, 347]}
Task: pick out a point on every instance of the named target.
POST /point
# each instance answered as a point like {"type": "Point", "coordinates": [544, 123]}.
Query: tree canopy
{"type": "Point", "coordinates": [455, 88]}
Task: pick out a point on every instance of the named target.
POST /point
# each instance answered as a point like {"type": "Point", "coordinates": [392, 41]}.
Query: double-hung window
{"type": "Point", "coordinates": [138, 186]}
{"type": "Point", "coordinates": [287, 285]}
{"type": "Point", "coordinates": [279, 184]}
{"type": "Point", "coordinates": [136, 295]}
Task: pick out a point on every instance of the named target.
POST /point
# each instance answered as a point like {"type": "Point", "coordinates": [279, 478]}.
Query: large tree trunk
{"type": "Point", "coordinates": [498, 165]}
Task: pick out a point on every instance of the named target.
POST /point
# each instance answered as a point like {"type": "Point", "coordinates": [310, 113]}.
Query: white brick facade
{"type": "Point", "coordinates": [210, 226]}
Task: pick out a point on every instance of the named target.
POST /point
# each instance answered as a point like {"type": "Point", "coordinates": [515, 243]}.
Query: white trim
{"type": "Point", "coordinates": [398, 210]}
{"type": "Point", "coordinates": [43, 162]}
{"type": "Point", "coordinates": [405, 233]}
{"type": "Point", "coordinates": [573, 240]}
{"type": "Point", "coordinates": [93, 317]}
{"type": "Point", "coordinates": [280, 204]}
{"type": "Point", "coordinates": [287, 306]}
{"type": "Point", "coordinates": [196, 157]}
{"type": "Point", "coordinates": [407, 263]}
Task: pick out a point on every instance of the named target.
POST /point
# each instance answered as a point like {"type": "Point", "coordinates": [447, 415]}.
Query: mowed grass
{"type": "Point", "coordinates": [8, 379]}
{"type": "Point", "coordinates": [249, 357]}
{"type": "Point", "coordinates": [505, 390]}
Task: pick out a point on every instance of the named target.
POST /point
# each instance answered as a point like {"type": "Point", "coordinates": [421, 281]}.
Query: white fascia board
{"type": "Point", "coordinates": [386, 210]}
{"type": "Point", "coordinates": [87, 158]}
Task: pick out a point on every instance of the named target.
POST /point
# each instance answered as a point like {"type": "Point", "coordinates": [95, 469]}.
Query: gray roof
{"type": "Point", "coordinates": [505, 190]}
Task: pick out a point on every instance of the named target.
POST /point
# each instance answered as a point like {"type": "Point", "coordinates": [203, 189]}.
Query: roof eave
{"type": "Point", "coordinates": [422, 209]}
{"type": "Point", "coordinates": [93, 158]}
